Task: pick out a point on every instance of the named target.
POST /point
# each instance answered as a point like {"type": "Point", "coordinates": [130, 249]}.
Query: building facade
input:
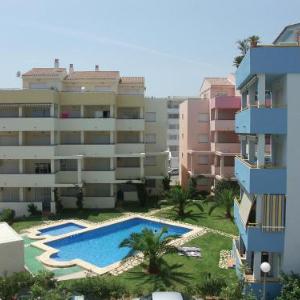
{"type": "Point", "coordinates": [267, 215]}
{"type": "Point", "coordinates": [208, 143]}
{"type": "Point", "coordinates": [66, 130]}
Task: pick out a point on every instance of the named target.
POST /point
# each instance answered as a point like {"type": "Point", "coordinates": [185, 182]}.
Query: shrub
{"type": "Point", "coordinates": [58, 205]}
{"type": "Point", "coordinates": [210, 286]}
{"type": "Point", "coordinates": [290, 287]}
{"type": "Point", "coordinates": [33, 210]}
{"type": "Point", "coordinates": [7, 215]}
{"type": "Point", "coordinates": [79, 197]}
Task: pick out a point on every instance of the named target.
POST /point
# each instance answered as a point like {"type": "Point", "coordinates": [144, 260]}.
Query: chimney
{"type": "Point", "coordinates": [96, 67]}
{"type": "Point", "coordinates": [56, 63]}
{"type": "Point", "coordinates": [71, 68]}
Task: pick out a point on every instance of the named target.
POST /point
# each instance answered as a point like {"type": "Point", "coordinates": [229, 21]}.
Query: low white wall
{"type": "Point", "coordinates": [131, 196]}
{"type": "Point", "coordinates": [20, 208]}
{"type": "Point", "coordinates": [89, 202]}
{"type": "Point", "coordinates": [11, 257]}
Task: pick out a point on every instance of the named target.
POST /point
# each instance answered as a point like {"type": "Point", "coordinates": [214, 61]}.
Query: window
{"type": "Point", "coordinates": [203, 117]}
{"type": "Point", "coordinates": [150, 138]}
{"type": "Point", "coordinates": [173, 148]}
{"type": "Point", "coordinates": [150, 116]}
{"type": "Point", "coordinates": [173, 104]}
{"type": "Point", "coordinates": [150, 183]}
{"type": "Point", "coordinates": [173, 137]}
{"type": "Point", "coordinates": [173, 116]}
{"type": "Point", "coordinates": [150, 161]}
{"type": "Point", "coordinates": [173, 126]}
{"type": "Point", "coordinates": [203, 138]}
{"type": "Point", "coordinates": [202, 181]}
{"type": "Point", "coordinates": [203, 159]}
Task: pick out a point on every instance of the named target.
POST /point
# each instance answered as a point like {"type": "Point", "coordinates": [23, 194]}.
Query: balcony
{"type": "Point", "coordinates": [27, 180]}
{"type": "Point", "coordinates": [28, 124]}
{"type": "Point", "coordinates": [86, 150]}
{"type": "Point", "coordinates": [222, 125]}
{"type": "Point", "coordinates": [269, 180]}
{"type": "Point", "coordinates": [254, 238]}
{"type": "Point", "coordinates": [27, 152]}
{"type": "Point", "coordinates": [225, 147]}
{"type": "Point", "coordinates": [268, 60]}
{"type": "Point", "coordinates": [99, 176]}
{"type": "Point", "coordinates": [87, 124]}
{"type": "Point", "coordinates": [256, 120]}
{"type": "Point", "coordinates": [130, 148]}
{"type": "Point", "coordinates": [227, 172]}
{"type": "Point", "coordinates": [130, 124]}
{"type": "Point", "coordinates": [128, 173]}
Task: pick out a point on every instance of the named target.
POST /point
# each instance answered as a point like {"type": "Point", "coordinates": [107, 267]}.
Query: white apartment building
{"type": "Point", "coordinates": [172, 127]}
{"type": "Point", "coordinates": [67, 129]}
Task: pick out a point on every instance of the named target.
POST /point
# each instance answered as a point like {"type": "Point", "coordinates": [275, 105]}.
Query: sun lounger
{"type": "Point", "coordinates": [189, 249]}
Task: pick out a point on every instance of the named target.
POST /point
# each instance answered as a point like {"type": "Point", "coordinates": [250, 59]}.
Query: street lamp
{"type": "Point", "coordinates": [265, 268]}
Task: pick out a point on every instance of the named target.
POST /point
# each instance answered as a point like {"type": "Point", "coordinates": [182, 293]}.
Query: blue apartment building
{"type": "Point", "coordinates": [268, 170]}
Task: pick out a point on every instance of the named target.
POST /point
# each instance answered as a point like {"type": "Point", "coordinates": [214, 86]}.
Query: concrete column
{"type": "Point", "coordinates": [142, 174]}
{"type": "Point", "coordinates": [111, 189]}
{"type": "Point", "coordinates": [259, 209]}
{"type": "Point", "coordinates": [252, 92]}
{"type": "Point", "coordinates": [21, 166]}
{"type": "Point", "coordinates": [52, 166]}
{"type": "Point", "coordinates": [256, 265]}
{"type": "Point", "coordinates": [141, 137]}
{"type": "Point", "coordinates": [112, 163]}
{"type": "Point", "coordinates": [111, 111]}
{"type": "Point", "coordinates": [216, 136]}
{"type": "Point", "coordinates": [112, 137]}
{"type": "Point", "coordinates": [251, 150]}
{"type": "Point", "coordinates": [52, 137]}
{"type": "Point", "coordinates": [261, 151]}
{"type": "Point", "coordinates": [52, 110]}
{"type": "Point", "coordinates": [79, 170]}
{"type": "Point", "coordinates": [20, 138]}
{"type": "Point", "coordinates": [81, 137]}
{"type": "Point", "coordinates": [222, 166]}
{"type": "Point", "coordinates": [261, 90]}
{"type": "Point", "coordinates": [21, 194]}
{"type": "Point", "coordinates": [244, 100]}
{"type": "Point", "coordinates": [20, 111]}
{"type": "Point", "coordinates": [141, 112]}
{"type": "Point", "coordinates": [81, 111]}
{"type": "Point", "coordinates": [216, 114]}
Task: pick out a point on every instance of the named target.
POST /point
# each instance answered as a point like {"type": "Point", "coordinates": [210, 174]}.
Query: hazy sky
{"type": "Point", "coordinates": [172, 43]}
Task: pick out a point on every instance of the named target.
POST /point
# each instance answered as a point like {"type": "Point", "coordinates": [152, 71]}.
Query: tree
{"type": "Point", "coordinates": [192, 188]}
{"type": "Point", "coordinates": [226, 199]}
{"type": "Point", "coordinates": [166, 183]}
{"type": "Point", "coordinates": [243, 46]}
{"type": "Point", "coordinates": [142, 193]}
{"type": "Point", "coordinates": [290, 287]}
{"type": "Point", "coordinates": [79, 196]}
{"type": "Point", "coordinates": [180, 199]}
{"type": "Point", "coordinates": [153, 245]}
{"type": "Point", "coordinates": [58, 205]}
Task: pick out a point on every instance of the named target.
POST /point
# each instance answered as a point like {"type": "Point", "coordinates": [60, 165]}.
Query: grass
{"type": "Point", "coordinates": [86, 214]}
{"type": "Point", "coordinates": [186, 271]}
{"type": "Point", "coordinates": [195, 216]}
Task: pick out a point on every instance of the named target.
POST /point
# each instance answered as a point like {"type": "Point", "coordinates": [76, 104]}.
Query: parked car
{"type": "Point", "coordinates": [174, 172]}
{"type": "Point", "coordinates": [162, 296]}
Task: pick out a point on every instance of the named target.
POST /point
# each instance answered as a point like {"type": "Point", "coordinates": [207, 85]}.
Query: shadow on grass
{"type": "Point", "coordinates": [169, 276]}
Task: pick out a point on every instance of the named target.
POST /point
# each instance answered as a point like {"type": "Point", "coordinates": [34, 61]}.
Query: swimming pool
{"type": "Point", "coordinates": [100, 246]}
{"type": "Point", "coordinates": [60, 229]}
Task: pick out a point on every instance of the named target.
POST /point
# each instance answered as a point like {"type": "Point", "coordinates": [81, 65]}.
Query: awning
{"type": "Point", "coordinates": [245, 208]}
{"type": "Point", "coordinates": [273, 212]}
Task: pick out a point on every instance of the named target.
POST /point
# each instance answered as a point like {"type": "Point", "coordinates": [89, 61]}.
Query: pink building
{"type": "Point", "coordinates": [207, 142]}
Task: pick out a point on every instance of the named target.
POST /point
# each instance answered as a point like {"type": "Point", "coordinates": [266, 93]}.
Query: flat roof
{"type": "Point", "coordinates": [7, 234]}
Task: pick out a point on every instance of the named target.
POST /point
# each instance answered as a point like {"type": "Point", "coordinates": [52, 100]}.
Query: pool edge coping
{"type": "Point", "coordinates": [46, 260]}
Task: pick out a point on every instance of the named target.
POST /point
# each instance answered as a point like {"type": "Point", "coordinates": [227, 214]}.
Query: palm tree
{"type": "Point", "coordinates": [243, 46]}
{"type": "Point", "coordinates": [181, 200]}
{"type": "Point", "coordinates": [153, 245]}
{"type": "Point", "coordinates": [254, 40]}
{"type": "Point", "coordinates": [224, 198]}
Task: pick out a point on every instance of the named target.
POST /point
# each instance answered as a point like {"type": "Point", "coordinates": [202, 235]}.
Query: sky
{"type": "Point", "coordinates": [174, 44]}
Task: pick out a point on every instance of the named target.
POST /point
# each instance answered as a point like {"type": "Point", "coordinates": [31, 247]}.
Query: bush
{"type": "Point", "coordinates": [7, 215]}
{"type": "Point", "coordinates": [290, 287]}
{"type": "Point", "coordinates": [97, 288]}
{"type": "Point", "coordinates": [210, 286]}
{"type": "Point", "coordinates": [33, 210]}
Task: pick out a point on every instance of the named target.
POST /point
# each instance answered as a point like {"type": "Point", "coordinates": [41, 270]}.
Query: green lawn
{"type": "Point", "coordinates": [86, 214]}
{"type": "Point", "coordinates": [189, 270]}
{"type": "Point", "coordinates": [216, 220]}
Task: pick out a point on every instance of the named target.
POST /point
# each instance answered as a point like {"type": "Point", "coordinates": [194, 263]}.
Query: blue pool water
{"type": "Point", "coordinates": [60, 229]}
{"type": "Point", "coordinates": [100, 246]}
